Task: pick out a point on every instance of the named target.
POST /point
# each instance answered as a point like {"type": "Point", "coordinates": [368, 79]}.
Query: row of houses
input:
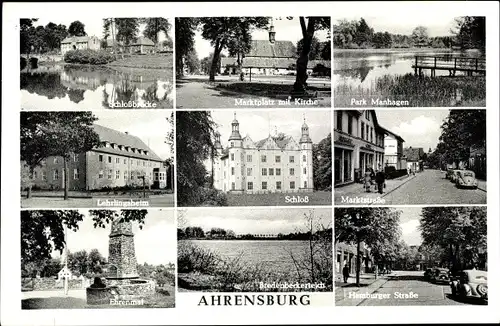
{"type": "Point", "coordinates": [140, 45]}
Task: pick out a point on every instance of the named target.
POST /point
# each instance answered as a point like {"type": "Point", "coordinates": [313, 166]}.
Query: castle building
{"type": "Point", "coordinates": [121, 160]}
{"type": "Point", "coordinates": [273, 164]}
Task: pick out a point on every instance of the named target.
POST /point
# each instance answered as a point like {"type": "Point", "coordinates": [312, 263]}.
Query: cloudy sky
{"type": "Point", "coordinates": [286, 30]}
{"type": "Point", "coordinates": [262, 220]}
{"type": "Point", "coordinates": [149, 125]}
{"type": "Point", "coordinates": [258, 124]}
{"type": "Point", "coordinates": [154, 244]}
{"type": "Point", "coordinates": [419, 128]}
{"type": "Point", "coordinates": [409, 222]}
{"type": "Point", "coordinates": [93, 24]}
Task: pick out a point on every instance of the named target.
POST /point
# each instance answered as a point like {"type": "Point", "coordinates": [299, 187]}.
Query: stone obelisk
{"type": "Point", "coordinates": [121, 259]}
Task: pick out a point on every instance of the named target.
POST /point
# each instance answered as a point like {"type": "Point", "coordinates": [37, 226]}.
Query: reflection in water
{"type": "Point", "coordinates": [95, 87]}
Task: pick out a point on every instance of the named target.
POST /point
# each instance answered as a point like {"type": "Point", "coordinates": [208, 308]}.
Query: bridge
{"type": "Point", "coordinates": [470, 66]}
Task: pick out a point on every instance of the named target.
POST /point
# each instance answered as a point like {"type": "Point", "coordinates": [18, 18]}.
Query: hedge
{"type": "Point", "coordinates": [92, 57]}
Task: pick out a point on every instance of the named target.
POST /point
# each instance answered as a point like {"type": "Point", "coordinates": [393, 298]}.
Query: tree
{"type": "Point", "coordinates": [42, 231]}
{"type": "Point", "coordinates": [184, 41]}
{"type": "Point", "coordinates": [76, 28]}
{"type": "Point", "coordinates": [194, 232]}
{"type": "Point", "coordinates": [470, 32]}
{"type": "Point", "coordinates": [195, 144]}
{"type": "Point", "coordinates": [78, 262]}
{"type": "Point", "coordinates": [231, 33]}
{"type": "Point", "coordinates": [461, 230]}
{"type": "Point", "coordinates": [364, 33]}
{"type": "Point", "coordinates": [313, 24]}
{"type": "Point", "coordinates": [192, 62]}
{"type": "Point", "coordinates": [420, 36]}
{"type": "Point", "coordinates": [27, 35]}
{"type": "Point", "coordinates": [154, 26]}
{"type": "Point", "coordinates": [127, 29]}
{"type": "Point", "coordinates": [56, 134]}
{"type": "Point", "coordinates": [343, 33]}
{"type": "Point", "coordinates": [375, 227]}
{"type": "Point", "coordinates": [322, 164]}
{"type": "Point", "coordinates": [95, 262]}
{"type": "Point", "coordinates": [316, 48]}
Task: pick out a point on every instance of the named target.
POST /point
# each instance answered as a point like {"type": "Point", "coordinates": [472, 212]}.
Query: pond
{"type": "Point", "coordinates": [69, 87]}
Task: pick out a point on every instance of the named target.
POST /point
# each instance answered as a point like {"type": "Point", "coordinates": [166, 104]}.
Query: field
{"type": "Point", "coordinates": [148, 61]}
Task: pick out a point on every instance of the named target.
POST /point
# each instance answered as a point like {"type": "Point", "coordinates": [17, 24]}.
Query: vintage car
{"type": "Point", "coordinates": [450, 173]}
{"type": "Point", "coordinates": [427, 274]}
{"type": "Point", "coordinates": [465, 179]}
{"type": "Point", "coordinates": [470, 283]}
{"type": "Point", "coordinates": [440, 275]}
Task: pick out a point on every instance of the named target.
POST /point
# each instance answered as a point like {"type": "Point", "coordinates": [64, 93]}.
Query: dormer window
{"type": "Point", "coordinates": [146, 153]}
{"type": "Point", "coordinates": [127, 148]}
{"type": "Point", "coordinates": [120, 147]}
{"type": "Point", "coordinates": [107, 144]}
{"type": "Point", "coordinates": [139, 151]}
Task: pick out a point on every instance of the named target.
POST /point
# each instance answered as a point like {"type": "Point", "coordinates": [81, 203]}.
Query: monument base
{"type": "Point", "coordinates": [120, 289]}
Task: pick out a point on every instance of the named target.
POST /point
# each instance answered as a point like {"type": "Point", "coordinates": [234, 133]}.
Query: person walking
{"type": "Point", "coordinates": [345, 273]}
{"type": "Point", "coordinates": [368, 180]}
{"type": "Point", "coordinates": [380, 180]}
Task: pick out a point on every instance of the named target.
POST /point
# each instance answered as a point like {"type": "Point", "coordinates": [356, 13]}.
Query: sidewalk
{"type": "Point", "coordinates": [481, 184]}
{"type": "Point", "coordinates": [357, 190]}
{"type": "Point", "coordinates": [368, 284]}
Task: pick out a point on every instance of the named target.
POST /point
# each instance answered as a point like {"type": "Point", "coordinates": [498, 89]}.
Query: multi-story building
{"type": "Point", "coordinates": [273, 164]}
{"type": "Point", "coordinates": [346, 255]}
{"type": "Point", "coordinates": [121, 160]}
{"type": "Point", "coordinates": [358, 144]}
{"type": "Point", "coordinates": [80, 43]}
{"type": "Point", "coordinates": [393, 151]}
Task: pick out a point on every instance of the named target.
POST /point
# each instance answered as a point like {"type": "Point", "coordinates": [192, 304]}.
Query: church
{"type": "Point", "coordinates": [276, 164]}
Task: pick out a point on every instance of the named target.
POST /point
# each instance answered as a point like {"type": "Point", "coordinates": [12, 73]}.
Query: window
{"type": "Point", "coordinates": [232, 170]}
{"type": "Point", "coordinates": [233, 186]}
{"type": "Point", "coordinates": [305, 184]}
{"type": "Point", "coordinates": [249, 172]}
{"type": "Point", "coordinates": [250, 186]}
{"type": "Point", "coordinates": [367, 115]}
{"type": "Point", "coordinates": [232, 156]}
{"type": "Point", "coordinates": [371, 134]}
{"type": "Point", "coordinates": [109, 159]}
{"type": "Point", "coordinates": [101, 158]}
{"type": "Point", "coordinates": [278, 171]}
{"type": "Point", "coordinates": [278, 159]}
{"type": "Point", "coordinates": [264, 185]}
{"type": "Point", "coordinates": [143, 163]}
{"type": "Point", "coordinates": [263, 158]}
{"type": "Point", "coordinates": [124, 161]}
{"type": "Point", "coordinates": [76, 174]}
{"type": "Point", "coordinates": [249, 158]}
{"type": "Point", "coordinates": [292, 171]}
{"type": "Point", "coordinates": [75, 157]}
{"type": "Point", "coordinates": [131, 162]}
{"type": "Point", "coordinates": [56, 160]}
{"type": "Point", "coordinates": [264, 171]}
{"type": "Point", "coordinates": [125, 175]}
{"type": "Point", "coordinates": [292, 184]}
{"type": "Point", "coordinates": [292, 159]}
{"type": "Point", "coordinates": [132, 175]}
{"type": "Point", "coordinates": [55, 175]}
{"type": "Point", "coordinates": [349, 124]}
{"type": "Point", "coordinates": [367, 134]}
{"type": "Point", "coordinates": [225, 174]}
{"type": "Point", "coordinates": [362, 130]}
{"type": "Point", "coordinates": [34, 176]}
{"type": "Point", "coordinates": [339, 120]}
{"type": "Point", "coordinates": [278, 185]}
{"type": "Point", "coordinates": [304, 158]}
{"type": "Point", "coordinates": [271, 171]}
{"type": "Point", "coordinates": [110, 174]}
{"type": "Point", "coordinates": [117, 174]}
{"type": "Point", "coordinates": [101, 174]}
{"type": "Point", "coordinates": [232, 144]}
{"type": "Point", "coordinates": [44, 176]}
{"type": "Point", "coordinates": [305, 171]}
{"type": "Point", "coordinates": [117, 160]}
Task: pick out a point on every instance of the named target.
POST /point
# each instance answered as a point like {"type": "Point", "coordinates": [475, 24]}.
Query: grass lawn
{"type": "Point", "coordinates": [147, 61]}
{"type": "Point", "coordinates": [279, 199]}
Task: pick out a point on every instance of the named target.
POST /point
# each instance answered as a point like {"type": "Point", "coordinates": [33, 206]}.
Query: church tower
{"type": "Point", "coordinates": [235, 158]}
{"type": "Point", "coordinates": [306, 160]}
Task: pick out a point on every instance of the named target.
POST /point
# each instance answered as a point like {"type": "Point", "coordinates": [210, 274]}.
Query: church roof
{"type": "Point", "coordinates": [278, 49]}
{"type": "Point", "coordinates": [76, 39]}
{"type": "Point", "coordinates": [263, 62]}
{"type": "Point", "coordinates": [121, 138]}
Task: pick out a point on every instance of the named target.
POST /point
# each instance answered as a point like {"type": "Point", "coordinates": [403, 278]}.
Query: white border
{"type": "Point", "coordinates": [185, 312]}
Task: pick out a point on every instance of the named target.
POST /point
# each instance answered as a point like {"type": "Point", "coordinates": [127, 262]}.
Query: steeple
{"type": "Point", "coordinates": [235, 127]}
{"type": "Point", "coordinates": [305, 133]}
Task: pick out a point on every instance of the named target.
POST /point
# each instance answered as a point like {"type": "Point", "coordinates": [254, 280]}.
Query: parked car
{"type": "Point", "coordinates": [427, 274]}
{"type": "Point", "coordinates": [470, 283]}
{"type": "Point", "coordinates": [440, 275]}
{"type": "Point", "coordinates": [452, 175]}
{"type": "Point", "coordinates": [448, 174]}
{"type": "Point", "coordinates": [465, 179]}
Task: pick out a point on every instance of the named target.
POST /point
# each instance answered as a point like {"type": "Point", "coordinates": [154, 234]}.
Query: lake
{"type": "Point", "coordinates": [270, 253]}
{"type": "Point", "coordinates": [361, 68]}
{"type": "Point", "coordinates": [69, 87]}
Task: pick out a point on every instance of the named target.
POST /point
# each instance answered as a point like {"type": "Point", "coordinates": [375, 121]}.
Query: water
{"type": "Point", "coordinates": [86, 87]}
{"type": "Point", "coordinates": [271, 253]}
{"type": "Point", "coordinates": [361, 68]}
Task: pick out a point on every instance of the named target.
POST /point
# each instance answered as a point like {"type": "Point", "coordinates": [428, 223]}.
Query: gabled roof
{"type": "Point", "coordinates": [264, 62]}
{"type": "Point", "coordinates": [280, 142]}
{"type": "Point", "coordinates": [413, 153]}
{"type": "Point", "coordinates": [76, 39]}
{"type": "Point", "coordinates": [121, 138]}
{"type": "Point", "coordinates": [142, 41]}
{"type": "Point", "coordinates": [278, 49]}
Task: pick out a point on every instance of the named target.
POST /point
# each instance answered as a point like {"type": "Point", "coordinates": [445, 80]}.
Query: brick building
{"type": "Point", "coordinates": [121, 160]}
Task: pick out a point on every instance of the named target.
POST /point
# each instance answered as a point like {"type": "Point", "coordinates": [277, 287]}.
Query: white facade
{"type": "Point", "coordinates": [270, 165]}
{"type": "Point", "coordinates": [393, 152]}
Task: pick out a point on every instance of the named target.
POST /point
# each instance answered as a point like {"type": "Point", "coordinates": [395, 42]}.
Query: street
{"type": "Point", "coordinates": [400, 288]}
{"type": "Point", "coordinates": [431, 187]}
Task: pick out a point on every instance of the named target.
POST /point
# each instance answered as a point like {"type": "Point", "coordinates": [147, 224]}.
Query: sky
{"type": "Point", "coordinates": [286, 30]}
{"type": "Point", "coordinates": [93, 25]}
{"type": "Point", "coordinates": [149, 125]}
{"type": "Point", "coordinates": [419, 128]}
{"type": "Point", "coordinates": [154, 244]}
{"type": "Point", "coordinates": [409, 222]}
{"type": "Point", "coordinates": [258, 124]}
{"type": "Point", "coordinates": [258, 220]}
{"type": "Point", "coordinates": [438, 23]}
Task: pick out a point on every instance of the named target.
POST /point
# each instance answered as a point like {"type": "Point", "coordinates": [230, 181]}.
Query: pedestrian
{"type": "Point", "coordinates": [345, 273]}
{"type": "Point", "coordinates": [376, 271]}
{"type": "Point", "coordinates": [380, 180]}
{"type": "Point", "coordinates": [368, 180]}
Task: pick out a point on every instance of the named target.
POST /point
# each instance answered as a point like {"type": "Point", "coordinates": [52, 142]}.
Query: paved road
{"type": "Point", "coordinates": [408, 288]}
{"type": "Point", "coordinates": [430, 187]}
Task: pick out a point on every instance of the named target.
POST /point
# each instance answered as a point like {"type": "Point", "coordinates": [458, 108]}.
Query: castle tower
{"type": "Point", "coordinates": [122, 260]}
{"type": "Point", "coordinates": [235, 174]}
{"type": "Point", "coordinates": [217, 164]}
{"type": "Point", "coordinates": [306, 159]}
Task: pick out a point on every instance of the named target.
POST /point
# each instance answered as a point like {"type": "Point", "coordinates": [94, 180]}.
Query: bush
{"type": "Point", "coordinates": [89, 57]}
{"type": "Point", "coordinates": [396, 174]}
